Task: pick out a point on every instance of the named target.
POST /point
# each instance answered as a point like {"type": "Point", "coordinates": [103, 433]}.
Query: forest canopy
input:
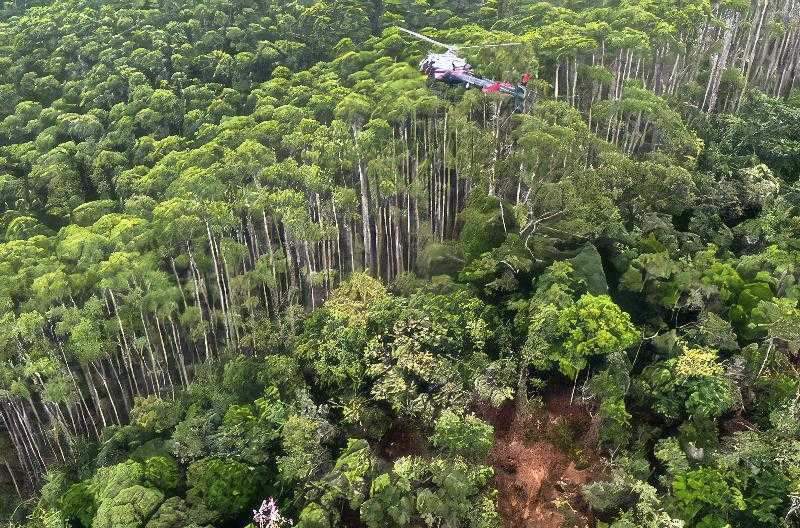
{"type": "Point", "coordinates": [257, 269]}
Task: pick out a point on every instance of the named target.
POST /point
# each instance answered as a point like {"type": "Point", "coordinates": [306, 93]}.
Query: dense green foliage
{"type": "Point", "coordinates": [246, 250]}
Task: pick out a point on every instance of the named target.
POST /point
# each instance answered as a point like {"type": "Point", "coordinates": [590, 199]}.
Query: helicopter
{"type": "Point", "coordinates": [450, 68]}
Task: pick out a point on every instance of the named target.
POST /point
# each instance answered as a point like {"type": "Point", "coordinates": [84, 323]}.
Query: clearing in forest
{"type": "Point", "coordinates": [541, 460]}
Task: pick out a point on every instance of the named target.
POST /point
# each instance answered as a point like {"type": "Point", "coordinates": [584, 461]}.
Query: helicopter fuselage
{"type": "Point", "coordinates": [449, 68]}
{"type": "Point", "coordinates": [442, 65]}
{"type": "Point", "coordinates": [452, 69]}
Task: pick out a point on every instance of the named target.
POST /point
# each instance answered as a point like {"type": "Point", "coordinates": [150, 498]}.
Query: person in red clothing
{"type": "Point", "coordinates": [525, 79]}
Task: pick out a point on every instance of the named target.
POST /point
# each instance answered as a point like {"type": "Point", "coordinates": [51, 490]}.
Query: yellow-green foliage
{"type": "Point", "coordinates": [697, 363]}
{"type": "Point", "coordinates": [349, 302]}
{"type": "Point", "coordinates": [567, 336]}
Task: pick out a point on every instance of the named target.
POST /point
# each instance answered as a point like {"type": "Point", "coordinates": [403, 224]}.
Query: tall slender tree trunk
{"type": "Point", "coordinates": [13, 478]}
{"type": "Point", "coordinates": [721, 63]}
{"type": "Point", "coordinates": [164, 352]}
{"type": "Point", "coordinates": [218, 278]}
{"type": "Point", "coordinates": [196, 278]}
{"type": "Point", "coordinates": [150, 348]}
{"type": "Point", "coordinates": [339, 233]}
{"type": "Point", "coordinates": [555, 80]}
{"type": "Point", "coordinates": [104, 380]}
{"type": "Point", "coordinates": [369, 262]}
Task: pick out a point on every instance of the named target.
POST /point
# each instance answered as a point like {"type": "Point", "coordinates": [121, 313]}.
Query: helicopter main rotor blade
{"type": "Point", "coordinates": [490, 45]}
{"type": "Point", "coordinates": [427, 39]}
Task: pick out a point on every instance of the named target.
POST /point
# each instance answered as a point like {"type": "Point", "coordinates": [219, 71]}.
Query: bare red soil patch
{"type": "Point", "coordinates": [541, 460]}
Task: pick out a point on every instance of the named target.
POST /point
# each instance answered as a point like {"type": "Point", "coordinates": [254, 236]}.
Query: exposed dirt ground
{"type": "Point", "coordinates": [540, 462]}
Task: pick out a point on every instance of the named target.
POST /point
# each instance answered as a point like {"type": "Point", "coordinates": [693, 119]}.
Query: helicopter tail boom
{"type": "Point", "coordinates": [486, 85]}
{"type": "Point", "coordinates": [518, 92]}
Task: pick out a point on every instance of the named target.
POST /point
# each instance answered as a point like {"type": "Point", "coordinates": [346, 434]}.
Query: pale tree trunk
{"type": "Point", "coordinates": [196, 278]}
{"type": "Point", "coordinates": [218, 279]}
{"type": "Point", "coordinates": [108, 391]}
{"type": "Point", "coordinates": [291, 264]}
{"type": "Point", "coordinates": [750, 54]}
{"type": "Point", "coordinates": [719, 65]}
{"type": "Point", "coordinates": [13, 478]}
{"type": "Point", "coordinates": [365, 217]}
{"type": "Point", "coordinates": [339, 268]}
{"type": "Point", "coordinates": [178, 282]}
{"type": "Point", "coordinates": [179, 351]}
{"type": "Point", "coordinates": [555, 81]}
{"type": "Point", "coordinates": [18, 440]}
{"type": "Point", "coordinates": [164, 352]}
{"type": "Point", "coordinates": [150, 347]}
{"type": "Point", "coordinates": [126, 349]}
{"type": "Point", "coordinates": [574, 78]}
{"type": "Point", "coordinates": [233, 312]}
{"type": "Point", "coordinates": [267, 229]}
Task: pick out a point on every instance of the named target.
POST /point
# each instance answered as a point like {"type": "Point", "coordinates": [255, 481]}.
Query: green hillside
{"type": "Point", "coordinates": [249, 252]}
